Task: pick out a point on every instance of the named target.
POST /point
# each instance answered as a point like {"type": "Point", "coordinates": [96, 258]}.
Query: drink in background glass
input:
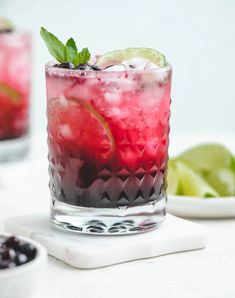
{"type": "Point", "coordinates": [108, 148]}
{"type": "Point", "coordinates": [15, 74]}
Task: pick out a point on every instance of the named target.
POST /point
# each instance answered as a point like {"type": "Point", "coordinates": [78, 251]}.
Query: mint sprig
{"type": "Point", "coordinates": [64, 53]}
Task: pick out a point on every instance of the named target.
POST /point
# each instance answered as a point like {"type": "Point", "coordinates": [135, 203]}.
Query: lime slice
{"type": "Point", "coordinates": [192, 184]}
{"type": "Point", "coordinates": [117, 57]}
{"type": "Point", "coordinates": [173, 183]}
{"type": "Point", "coordinates": [77, 121]}
{"type": "Point", "coordinates": [207, 157]}
{"type": "Point", "coordinates": [11, 93]}
{"type": "Point", "coordinates": [223, 181]}
{"type": "Point", "coordinates": [100, 119]}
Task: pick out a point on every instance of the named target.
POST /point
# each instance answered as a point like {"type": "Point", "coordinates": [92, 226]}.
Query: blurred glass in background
{"type": "Point", "coordinates": [15, 77]}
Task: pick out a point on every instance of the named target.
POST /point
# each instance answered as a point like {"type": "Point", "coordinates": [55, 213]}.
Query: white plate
{"type": "Point", "coordinates": [185, 206]}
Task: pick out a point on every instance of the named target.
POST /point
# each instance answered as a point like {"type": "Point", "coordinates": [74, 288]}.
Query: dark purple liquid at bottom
{"type": "Point", "coordinates": [87, 188]}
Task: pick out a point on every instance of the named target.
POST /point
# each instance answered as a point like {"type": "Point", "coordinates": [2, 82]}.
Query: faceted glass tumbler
{"type": "Point", "coordinates": [108, 136]}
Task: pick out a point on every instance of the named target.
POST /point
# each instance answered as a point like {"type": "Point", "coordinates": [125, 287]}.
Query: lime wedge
{"type": "Point", "coordinates": [117, 57]}
{"type": "Point", "coordinates": [223, 181]}
{"type": "Point", "coordinates": [11, 93]}
{"type": "Point", "coordinates": [173, 183]}
{"type": "Point", "coordinates": [207, 157]}
{"type": "Point", "coordinates": [100, 119]}
{"type": "Point", "coordinates": [192, 184]}
{"type": "Point", "coordinates": [81, 123]}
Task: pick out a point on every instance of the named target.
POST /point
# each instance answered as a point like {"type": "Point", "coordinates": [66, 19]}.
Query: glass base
{"type": "Point", "coordinates": [14, 149]}
{"type": "Point", "coordinates": [108, 221]}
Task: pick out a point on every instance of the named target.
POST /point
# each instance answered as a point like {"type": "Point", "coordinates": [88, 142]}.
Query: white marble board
{"type": "Point", "coordinates": [86, 251]}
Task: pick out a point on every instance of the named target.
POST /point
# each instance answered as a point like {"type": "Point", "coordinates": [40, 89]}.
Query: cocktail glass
{"type": "Point", "coordinates": [108, 148]}
{"type": "Point", "coordinates": [15, 75]}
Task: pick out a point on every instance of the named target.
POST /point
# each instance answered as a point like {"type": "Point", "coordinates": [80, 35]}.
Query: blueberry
{"type": "Point", "coordinates": [12, 242]}
{"type": "Point", "coordinates": [11, 264]}
{"type": "Point", "coordinates": [95, 67]}
{"type": "Point", "coordinates": [29, 250]}
{"type": "Point", "coordinates": [68, 65]}
{"type": "Point", "coordinates": [4, 264]}
{"type": "Point", "coordinates": [83, 67]}
{"type": "Point", "coordinates": [20, 259]}
{"type": "Point", "coordinates": [5, 253]}
{"type": "Point", "coordinates": [14, 252]}
{"type": "Point", "coordinates": [88, 66]}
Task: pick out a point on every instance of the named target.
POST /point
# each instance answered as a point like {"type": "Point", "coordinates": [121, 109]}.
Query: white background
{"type": "Point", "coordinates": [198, 38]}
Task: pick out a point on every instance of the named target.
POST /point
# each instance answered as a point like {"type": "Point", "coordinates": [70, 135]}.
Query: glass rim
{"type": "Point", "coordinates": [51, 69]}
{"type": "Point", "coordinates": [15, 33]}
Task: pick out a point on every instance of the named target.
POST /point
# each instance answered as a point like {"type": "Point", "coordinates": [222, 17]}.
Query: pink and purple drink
{"type": "Point", "coordinates": [108, 148]}
{"type": "Point", "coordinates": [15, 72]}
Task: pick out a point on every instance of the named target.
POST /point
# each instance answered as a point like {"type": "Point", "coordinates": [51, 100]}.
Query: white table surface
{"type": "Point", "coordinates": [205, 273]}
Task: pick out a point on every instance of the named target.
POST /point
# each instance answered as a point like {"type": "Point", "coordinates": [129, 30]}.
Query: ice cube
{"type": "Point", "coordinates": [139, 64]}
{"type": "Point", "coordinates": [112, 97]}
{"type": "Point", "coordinates": [65, 131]}
{"type": "Point", "coordinates": [119, 84]}
{"type": "Point", "coordinates": [162, 76]}
{"type": "Point", "coordinates": [63, 100]}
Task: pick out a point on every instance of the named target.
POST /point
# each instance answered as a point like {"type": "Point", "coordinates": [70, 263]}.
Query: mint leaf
{"type": "Point", "coordinates": [71, 50]}
{"type": "Point", "coordinates": [83, 56]}
{"type": "Point", "coordinates": [56, 48]}
{"type": "Point", "coordinates": [65, 53]}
